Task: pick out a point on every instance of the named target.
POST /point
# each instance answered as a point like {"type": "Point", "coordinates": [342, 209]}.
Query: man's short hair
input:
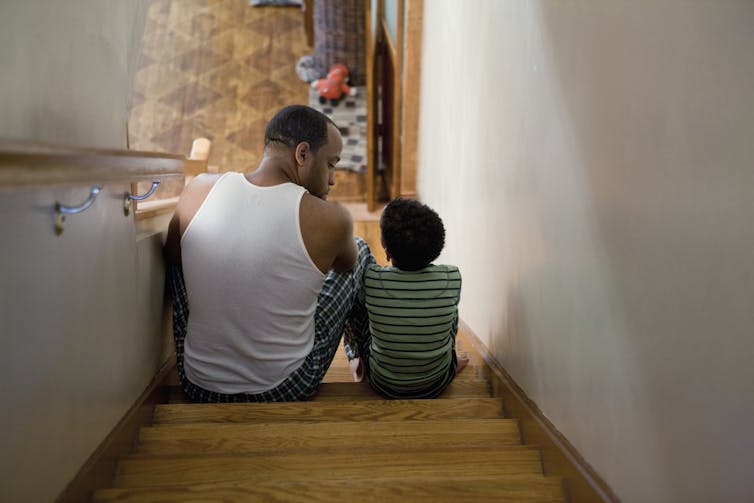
{"type": "Point", "coordinates": [412, 233]}
{"type": "Point", "coordinates": [295, 124]}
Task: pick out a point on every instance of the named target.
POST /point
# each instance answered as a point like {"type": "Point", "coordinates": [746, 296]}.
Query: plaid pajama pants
{"type": "Point", "coordinates": [340, 313]}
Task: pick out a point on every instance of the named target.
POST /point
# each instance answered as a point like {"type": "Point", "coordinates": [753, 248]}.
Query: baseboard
{"type": "Point", "coordinates": [97, 472]}
{"type": "Point", "coordinates": [559, 456]}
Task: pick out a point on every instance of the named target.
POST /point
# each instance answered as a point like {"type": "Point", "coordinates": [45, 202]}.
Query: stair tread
{"type": "Point", "coordinates": [336, 428]}
{"type": "Point", "coordinates": [505, 488]}
{"type": "Point", "coordinates": [363, 391]}
{"type": "Point", "coordinates": [341, 372]}
{"type": "Point", "coordinates": [339, 391]}
{"type": "Point", "coordinates": [377, 410]}
{"type": "Point", "coordinates": [263, 437]}
{"type": "Point", "coordinates": [357, 464]}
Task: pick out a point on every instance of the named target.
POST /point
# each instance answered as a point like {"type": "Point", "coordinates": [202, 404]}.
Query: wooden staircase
{"type": "Point", "coordinates": [347, 443]}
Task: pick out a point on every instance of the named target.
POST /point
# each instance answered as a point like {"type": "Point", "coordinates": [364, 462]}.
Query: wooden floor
{"type": "Point", "coordinates": [220, 69]}
{"type": "Point", "coordinates": [216, 69]}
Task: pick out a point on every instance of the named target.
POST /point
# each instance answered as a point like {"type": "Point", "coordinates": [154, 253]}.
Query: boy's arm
{"type": "Point", "coordinates": [454, 328]}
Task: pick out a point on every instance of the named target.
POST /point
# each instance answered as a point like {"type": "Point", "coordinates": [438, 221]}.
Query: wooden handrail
{"type": "Point", "coordinates": [27, 163]}
{"type": "Point", "coordinates": [151, 209]}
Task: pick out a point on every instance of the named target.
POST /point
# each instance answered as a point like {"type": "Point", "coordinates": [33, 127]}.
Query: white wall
{"type": "Point", "coordinates": [68, 68]}
{"type": "Point", "coordinates": [594, 164]}
{"type": "Point", "coordinates": [80, 313]}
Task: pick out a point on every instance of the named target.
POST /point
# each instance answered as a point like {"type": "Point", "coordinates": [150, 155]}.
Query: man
{"type": "Point", "coordinates": [272, 272]}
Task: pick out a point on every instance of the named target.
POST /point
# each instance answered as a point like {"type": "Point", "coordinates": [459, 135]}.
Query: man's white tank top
{"type": "Point", "coordinates": [252, 287]}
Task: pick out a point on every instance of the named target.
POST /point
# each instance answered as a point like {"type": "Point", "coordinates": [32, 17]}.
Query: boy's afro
{"type": "Point", "coordinates": [412, 233]}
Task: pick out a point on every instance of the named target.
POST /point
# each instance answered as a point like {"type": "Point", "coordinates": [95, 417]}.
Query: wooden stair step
{"type": "Point", "coordinates": [377, 410]}
{"type": "Point", "coordinates": [342, 373]}
{"type": "Point", "coordinates": [362, 391]}
{"type": "Point", "coordinates": [213, 438]}
{"type": "Point", "coordinates": [336, 391]}
{"type": "Point", "coordinates": [358, 464]}
{"type": "Point", "coordinates": [504, 489]}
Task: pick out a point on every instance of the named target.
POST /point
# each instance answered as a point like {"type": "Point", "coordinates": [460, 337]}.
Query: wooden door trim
{"type": "Point", "coordinates": [395, 57]}
{"type": "Point", "coordinates": [405, 53]}
{"type": "Point", "coordinates": [410, 97]}
{"type": "Point", "coordinates": [371, 48]}
{"type": "Point", "coordinates": [308, 9]}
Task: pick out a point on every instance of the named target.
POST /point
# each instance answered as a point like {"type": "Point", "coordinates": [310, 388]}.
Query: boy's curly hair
{"type": "Point", "coordinates": [412, 233]}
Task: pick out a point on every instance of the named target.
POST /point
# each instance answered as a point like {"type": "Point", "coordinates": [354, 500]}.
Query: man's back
{"type": "Point", "coordinates": [326, 228]}
{"type": "Point", "coordinates": [254, 287]}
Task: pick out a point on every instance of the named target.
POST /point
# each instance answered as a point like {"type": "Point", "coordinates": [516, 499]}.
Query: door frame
{"type": "Point", "coordinates": [404, 55]}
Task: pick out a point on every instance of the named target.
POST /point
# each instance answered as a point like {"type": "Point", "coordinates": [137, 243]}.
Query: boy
{"type": "Point", "coordinates": [412, 308]}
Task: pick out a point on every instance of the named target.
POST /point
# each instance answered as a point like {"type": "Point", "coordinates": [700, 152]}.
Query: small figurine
{"type": "Point", "coordinates": [334, 86]}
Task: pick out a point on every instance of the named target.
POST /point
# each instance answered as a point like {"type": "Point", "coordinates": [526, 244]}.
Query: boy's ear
{"type": "Point", "coordinates": [387, 255]}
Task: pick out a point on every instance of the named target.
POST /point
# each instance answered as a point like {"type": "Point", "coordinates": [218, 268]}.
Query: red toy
{"type": "Point", "coordinates": [334, 86]}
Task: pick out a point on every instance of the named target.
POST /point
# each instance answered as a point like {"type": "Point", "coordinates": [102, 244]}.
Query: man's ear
{"type": "Point", "coordinates": [303, 151]}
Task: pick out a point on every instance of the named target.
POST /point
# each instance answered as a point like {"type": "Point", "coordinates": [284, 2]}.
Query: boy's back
{"type": "Point", "coordinates": [413, 317]}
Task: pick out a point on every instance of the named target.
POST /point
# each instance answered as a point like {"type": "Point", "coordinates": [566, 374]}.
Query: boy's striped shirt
{"type": "Point", "coordinates": [413, 319]}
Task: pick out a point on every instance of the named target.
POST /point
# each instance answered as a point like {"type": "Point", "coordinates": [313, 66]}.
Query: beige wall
{"type": "Point", "coordinates": [80, 320]}
{"type": "Point", "coordinates": [68, 68]}
{"type": "Point", "coordinates": [80, 313]}
{"type": "Point", "coordinates": [594, 164]}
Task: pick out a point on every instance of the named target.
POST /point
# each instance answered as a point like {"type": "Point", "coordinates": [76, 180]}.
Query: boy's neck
{"type": "Point", "coordinates": [397, 266]}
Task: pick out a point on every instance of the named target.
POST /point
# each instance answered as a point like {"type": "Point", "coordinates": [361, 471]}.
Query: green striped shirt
{"type": "Point", "coordinates": [413, 319]}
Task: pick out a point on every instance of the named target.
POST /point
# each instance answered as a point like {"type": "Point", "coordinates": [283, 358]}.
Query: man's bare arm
{"type": "Point", "coordinates": [327, 230]}
{"type": "Point", "coordinates": [191, 199]}
{"type": "Point", "coordinates": [347, 254]}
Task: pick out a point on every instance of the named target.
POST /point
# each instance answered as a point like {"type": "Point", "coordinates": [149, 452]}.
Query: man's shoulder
{"type": "Point", "coordinates": [198, 188]}
{"type": "Point", "coordinates": [203, 181]}
{"type": "Point", "coordinates": [192, 197]}
{"type": "Point", "coordinates": [324, 213]}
